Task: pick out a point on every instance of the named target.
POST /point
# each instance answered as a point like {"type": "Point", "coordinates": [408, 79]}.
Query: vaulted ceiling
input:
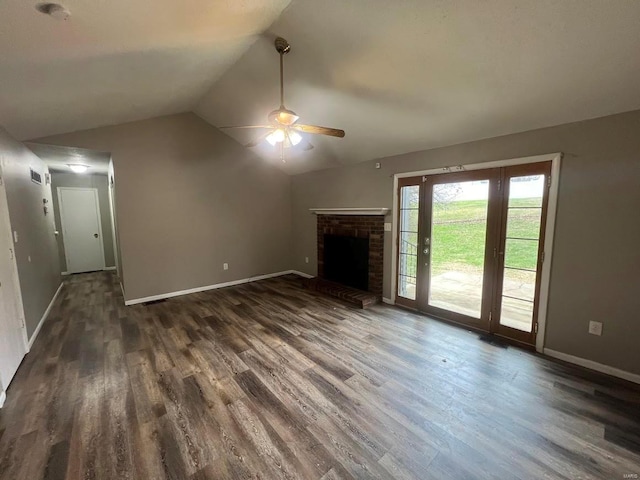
{"type": "Point", "coordinates": [398, 76]}
{"type": "Point", "coordinates": [118, 60]}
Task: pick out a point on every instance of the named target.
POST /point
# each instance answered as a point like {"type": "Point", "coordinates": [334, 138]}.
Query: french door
{"type": "Point", "coordinates": [470, 247]}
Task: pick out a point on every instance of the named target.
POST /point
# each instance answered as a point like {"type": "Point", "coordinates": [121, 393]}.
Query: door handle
{"type": "Point", "coordinates": [95, 235]}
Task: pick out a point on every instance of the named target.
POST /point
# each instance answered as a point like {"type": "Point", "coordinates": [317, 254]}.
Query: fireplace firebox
{"type": "Point", "coordinates": [350, 250]}
{"type": "Point", "coordinates": [346, 260]}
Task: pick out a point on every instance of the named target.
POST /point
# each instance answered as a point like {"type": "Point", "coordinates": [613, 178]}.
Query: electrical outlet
{"type": "Point", "coordinates": [225, 266]}
{"type": "Point", "coordinates": [306, 259]}
{"type": "Point", "coordinates": [595, 328]}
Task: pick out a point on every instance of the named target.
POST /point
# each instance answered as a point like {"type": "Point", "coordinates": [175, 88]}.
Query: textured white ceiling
{"type": "Point", "coordinates": [58, 158]}
{"type": "Point", "coordinates": [398, 76]}
{"type": "Point", "coordinates": [118, 60]}
{"type": "Point", "coordinates": [407, 75]}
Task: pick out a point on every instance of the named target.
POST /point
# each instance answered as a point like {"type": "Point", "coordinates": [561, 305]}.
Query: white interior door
{"type": "Point", "coordinates": [12, 336]}
{"type": "Point", "coordinates": [80, 216]}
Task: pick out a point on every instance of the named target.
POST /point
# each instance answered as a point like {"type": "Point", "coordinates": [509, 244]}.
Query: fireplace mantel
{"type": "Point", "coordinates": [349, 211]}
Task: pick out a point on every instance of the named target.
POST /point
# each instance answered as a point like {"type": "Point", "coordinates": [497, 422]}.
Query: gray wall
{"type": "Point", "coordinates": [595, 272]}
{"type": "Point", "coordinates": [98, 182]}
{"type": "Point", "coordinates": [189, 198]}
{"type": "Point", "coordinates": [40, 277]}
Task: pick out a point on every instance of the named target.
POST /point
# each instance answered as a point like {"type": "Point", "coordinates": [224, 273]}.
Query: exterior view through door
{"type": "Point", "coordinates": [80, 217]}
{"type": "Point", "coordinates": [470, 247]}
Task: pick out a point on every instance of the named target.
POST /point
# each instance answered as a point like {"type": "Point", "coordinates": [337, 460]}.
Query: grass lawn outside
{"type": "Point", "coordinates": [459, 234]}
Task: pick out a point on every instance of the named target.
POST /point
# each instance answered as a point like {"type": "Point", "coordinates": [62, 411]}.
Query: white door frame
{"type": "Point", "coordinates": [5, 219]}
{"type": "Point", "coordinates": [555, 159]}
{"type": "Point", "coordinates": [64, 241]}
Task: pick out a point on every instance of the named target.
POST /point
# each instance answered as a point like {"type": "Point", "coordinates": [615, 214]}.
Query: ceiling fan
{"type": "Point", "coordinates": [283, 127]}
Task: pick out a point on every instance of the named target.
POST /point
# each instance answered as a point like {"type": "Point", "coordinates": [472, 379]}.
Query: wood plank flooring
{"type": "Point", "coordinates": [270, 381]}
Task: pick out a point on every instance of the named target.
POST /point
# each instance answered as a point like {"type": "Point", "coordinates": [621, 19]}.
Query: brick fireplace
{"type": "Point", "coordinates": [369, 227]}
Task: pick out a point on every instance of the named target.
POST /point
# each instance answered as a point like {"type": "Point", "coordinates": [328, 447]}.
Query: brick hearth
{"type": "Point", "coordinates": [361, 226]}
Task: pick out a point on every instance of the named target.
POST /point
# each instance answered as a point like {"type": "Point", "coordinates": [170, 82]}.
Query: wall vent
{"type": "Point", "coordinates": [36, 177]}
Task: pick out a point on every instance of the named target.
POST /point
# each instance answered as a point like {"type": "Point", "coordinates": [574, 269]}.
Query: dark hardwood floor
{"type": "Point", "coordinates": [267, 380]}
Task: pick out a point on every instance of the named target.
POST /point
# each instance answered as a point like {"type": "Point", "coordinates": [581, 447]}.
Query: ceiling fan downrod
{"type": "Point", "coordinates": [282, 47]}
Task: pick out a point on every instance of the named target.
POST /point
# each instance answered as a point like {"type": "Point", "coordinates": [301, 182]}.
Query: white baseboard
{"type": "Point", "coordinates": [297, 272]}
{"type": "Point", "coordinates": [3, 397]}
{"type": "Point", "coordinates": [178, 293]}
{"type": "Point", "coordinates": [388, 301]}
{"type": "Point", "coordinates": [590, 364]}
{"type": "Point", "coordinates": [64, 274]}
{"type": "Point", "coordinates": [44, 317]}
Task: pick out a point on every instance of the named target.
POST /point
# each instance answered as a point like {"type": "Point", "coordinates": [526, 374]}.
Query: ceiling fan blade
{"type": "Point", "coordinates": [333, 132]}
{"type": "Point", "coordinates": [256, 142]}
{"type": "Point", "coordinates": [248, 126]}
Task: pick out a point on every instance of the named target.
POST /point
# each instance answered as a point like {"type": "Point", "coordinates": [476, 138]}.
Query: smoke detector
{"type": "Point", "coordinates": [55, 10]}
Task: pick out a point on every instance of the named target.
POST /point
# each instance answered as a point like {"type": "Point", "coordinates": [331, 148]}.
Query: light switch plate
{"type": "Point", "coordinates": [225, 266]}
{"type": "Point", "coordinates": [595, 328]}
{"type": "Point", "coordinates": [387, 226]}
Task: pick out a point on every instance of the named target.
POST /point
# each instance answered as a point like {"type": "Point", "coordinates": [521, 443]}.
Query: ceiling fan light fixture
{"type": "Point", "coordinates": [295, 137]}
{"type": "Point", "coordinates": [276, 136]}
{"type": "Point", "coordinates": [283, 129]}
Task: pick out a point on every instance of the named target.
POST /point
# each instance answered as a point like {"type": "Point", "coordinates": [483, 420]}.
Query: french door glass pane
{"type": "Point", "coordinates": [458, 236]}
{"type": "Point", "coordinates": [516, 314]}
{"type": "Point", "coordinates": [519, 284]}
{"type": "Point", "coordinates": [524, 223]}
{"type": "Point", "coordinates": [526, 191]}
{"type": "Point", "coordinates": [521, 251]}
{"type": "Point", "coordinates": [408, 255]}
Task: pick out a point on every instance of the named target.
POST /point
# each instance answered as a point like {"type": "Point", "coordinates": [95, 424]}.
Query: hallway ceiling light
{"type": "Point", "coordinates": [78, 167]}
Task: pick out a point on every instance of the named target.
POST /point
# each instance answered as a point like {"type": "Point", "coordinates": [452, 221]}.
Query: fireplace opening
{"type": "Point", "coordinates": [346, 260]}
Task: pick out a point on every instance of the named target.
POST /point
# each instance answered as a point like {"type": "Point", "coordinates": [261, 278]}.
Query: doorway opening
{"type": "Point", "coordinates": [82, 187]}
{"type": "Point", "coordinates": [472, 246]}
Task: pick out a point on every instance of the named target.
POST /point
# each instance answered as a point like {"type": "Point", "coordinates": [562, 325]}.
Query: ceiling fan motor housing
{"type": "Point", "coordinates": [283, 116]}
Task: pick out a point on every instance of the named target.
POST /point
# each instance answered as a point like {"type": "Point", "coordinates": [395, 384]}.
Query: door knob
{"type": "Point", "coordinates": [95, 235]}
